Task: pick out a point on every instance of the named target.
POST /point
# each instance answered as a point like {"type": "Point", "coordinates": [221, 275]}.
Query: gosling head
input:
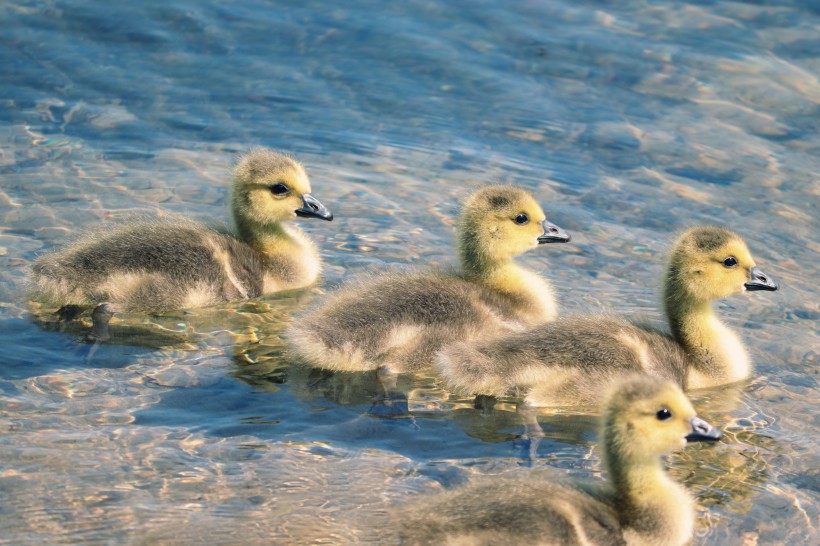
{"type": "Point", "coordinates": [646, 417]}
{"type": "Point", "coordinates": [270, 187]}
{"type": "Point", "coordinates": [710, 262]}
{"type": "Point", "coordinates": [500, 222]}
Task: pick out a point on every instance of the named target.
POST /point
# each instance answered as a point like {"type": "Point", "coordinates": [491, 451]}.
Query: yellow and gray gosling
{"type": "Point", "coordinates": [570, 362]}
{"type": "Point", "coordinates": [154, 265]}
{"type": "Point", "coordinates": [644, 418]}
{"type": "Point", "coordinates": [396, 322]}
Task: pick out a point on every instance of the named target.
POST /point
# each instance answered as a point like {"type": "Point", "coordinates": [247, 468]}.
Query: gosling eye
{"type": "Point", "coordinates": [279, 189]}
{"type": "Point", "coordinates": [663, 414]}
{"type": "Point", "coordinates": [731, 261]}
{"type": "Point", "coordinates": [522, 219]}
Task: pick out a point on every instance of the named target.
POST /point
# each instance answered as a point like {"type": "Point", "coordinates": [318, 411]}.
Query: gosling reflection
{"type": "Point", "coordinates": [264, 363]}
{"type": "Point", "coordinates": [154, 331]}
{"type": "Point", "coordinates": [363, 390]}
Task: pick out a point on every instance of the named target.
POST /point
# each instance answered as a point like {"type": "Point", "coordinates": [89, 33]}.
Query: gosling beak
{"type": "Point", "coordinates": [552, 234]}
{"type": "Point", "coordinates": [702, 431]}
{"type": "Point", "coordinates": [313, 208]}
{"type": "Point", "coordinates": [759, 281]}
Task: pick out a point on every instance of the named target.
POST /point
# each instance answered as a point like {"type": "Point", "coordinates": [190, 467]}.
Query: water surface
{"type": "Point", "coordinates": [628, 120]}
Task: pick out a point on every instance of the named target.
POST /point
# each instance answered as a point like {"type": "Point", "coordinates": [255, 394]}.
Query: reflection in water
{"type": "Point", "coordinates": [137, 331]}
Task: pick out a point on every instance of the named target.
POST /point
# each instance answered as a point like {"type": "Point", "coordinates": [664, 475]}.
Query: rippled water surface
{"type": "Point", "coordinates": [629, 120]}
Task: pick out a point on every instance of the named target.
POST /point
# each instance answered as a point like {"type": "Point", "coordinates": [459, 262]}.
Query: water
{"type": "Point", "coordinates": [629, 120]}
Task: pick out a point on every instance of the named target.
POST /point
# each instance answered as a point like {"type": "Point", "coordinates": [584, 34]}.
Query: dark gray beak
{"type": "Point", "coordinates": [702, 431]}
{"type": "Point", "coordinates": [313, 209]}
{"type": "Point", "coordinates": [552, 234]}
{"type": "Point", "coordinates": [759, 281]}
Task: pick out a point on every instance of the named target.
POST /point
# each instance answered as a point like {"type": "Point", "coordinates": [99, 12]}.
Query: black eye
{"type": "Point", "coordinates": [279, 189]}
{"type": "Point", "coordinates": [731, 261]}
{"type": "Point", "coordinates": [522, 219]}
{"type": "Point", "coordinates": [663, 414]}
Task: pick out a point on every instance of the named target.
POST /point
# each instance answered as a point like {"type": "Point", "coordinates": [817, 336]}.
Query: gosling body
{"type": "Point", "coordinates": [643, 419]}
{"type": "Point", "coordinates": [396, 322]}
{"type": "Point", "coordinates": [154, 264]}
{"type": "Point", "coordinates": [570, 362]}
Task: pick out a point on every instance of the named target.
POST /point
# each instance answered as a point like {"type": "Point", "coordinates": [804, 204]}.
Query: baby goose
{"type": "Point", "coordinates": [644, 419]}
{"type": "Point", "coordinates": [571, 361]}
{"type": "Point", "coordinates": [397, 322]}
{"type": "Point", "coordinates": [151, 265]}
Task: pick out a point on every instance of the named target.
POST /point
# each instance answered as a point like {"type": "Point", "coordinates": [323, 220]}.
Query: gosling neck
{"type": "Point", "coordinates": [478, 266]}
{"type": "Point", "coordinates": [499, 273]}
{"type": "Point", "coordinates": [634, 481]}
{"type": "Point", "coordinates": [265, 238]}
{"type": "Point", "coordinates": [649, 503]}
{"type": "Point", "coordinates": [715, 353]}
{"type": "Point", "coordinates": [532, 294]}
{"type": "Point", "coordinates": [477, 263]}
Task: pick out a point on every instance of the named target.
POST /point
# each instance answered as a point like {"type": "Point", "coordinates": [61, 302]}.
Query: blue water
{"type": "Point", "coordinates": [629, 121]}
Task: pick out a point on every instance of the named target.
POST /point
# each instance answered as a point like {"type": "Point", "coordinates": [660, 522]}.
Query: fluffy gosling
{"type": "Point", "coordinates": [396, 322]}
{"type": "Point", "coordinates": [156, 265]}
{"type": "Point", "coordinates": [644, 419]}
{"type": "Point", "coordinates": [570, 362]}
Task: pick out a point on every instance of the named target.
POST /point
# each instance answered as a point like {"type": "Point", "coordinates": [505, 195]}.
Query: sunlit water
{"type": "Point", "coordinates": [629, 120]}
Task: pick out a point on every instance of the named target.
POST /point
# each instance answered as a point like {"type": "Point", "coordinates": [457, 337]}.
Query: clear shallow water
{"type": "Point", "coordinates": [629, 120]}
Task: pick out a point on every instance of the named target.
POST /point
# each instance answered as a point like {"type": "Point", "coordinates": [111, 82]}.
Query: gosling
{"type": "Point", "coordinates": [396, 322]}
{"type": "Point", "coordinates": [644, 418]}
{"type": "Point", "coordinates": [571, 362]}
{"type": "Point", "coordinates": [160, 265]}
